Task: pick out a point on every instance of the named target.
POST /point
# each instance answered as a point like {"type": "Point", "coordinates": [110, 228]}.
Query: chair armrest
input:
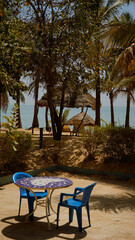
{"type": "Point", "coordinates": [78, 189]}
{"type": "Point", "coordinates": [67, 194]}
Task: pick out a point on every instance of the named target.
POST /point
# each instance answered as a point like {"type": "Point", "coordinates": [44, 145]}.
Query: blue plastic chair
{"type": "Point", "coordinates": [27, 194]}
{"type": "Point", "coordinates": [76, 203]}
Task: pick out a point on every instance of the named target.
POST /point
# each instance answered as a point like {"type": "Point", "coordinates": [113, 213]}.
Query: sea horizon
{"type": "Point", "coordinates": [27, 112]}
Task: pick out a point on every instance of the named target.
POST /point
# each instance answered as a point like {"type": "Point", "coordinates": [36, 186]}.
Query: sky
{"type": "Point", "coordinates": [130, 8]}
{"type": "Point", "coordinates": [119, 101]}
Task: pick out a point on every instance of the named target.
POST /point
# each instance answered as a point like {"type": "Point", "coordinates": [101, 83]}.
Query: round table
{"type": "Point", "coordinates": [43, 183]}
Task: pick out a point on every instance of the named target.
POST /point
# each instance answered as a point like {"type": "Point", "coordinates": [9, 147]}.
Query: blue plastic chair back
{"type": "Point", "coordinates": [24, 193]}
{"type": "Point", "coordinates": [18, 176]}
{"type": "Point", "coordinates": [80, 199]}
{"type": "Point", "coordinates": [86, 193]}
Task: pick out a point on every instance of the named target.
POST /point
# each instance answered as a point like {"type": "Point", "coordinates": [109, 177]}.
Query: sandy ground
{"type": "Point", "coordinates": [112, 212]}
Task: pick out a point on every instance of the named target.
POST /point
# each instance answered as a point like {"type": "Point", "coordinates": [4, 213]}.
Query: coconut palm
{"type": "Point", "coordinates": [120, 35]}
{"type": "Point", "coordinates": [125, 70]}
{"type": "Point", "coordinates": [102, 13]}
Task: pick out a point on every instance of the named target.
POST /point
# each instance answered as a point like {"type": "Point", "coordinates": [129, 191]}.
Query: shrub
{"type": "Point", "coordinates": [115, 144]}
{"type": "Point", "coordinates": [120, 145]}
{"type": "Point", "coordinates": [93, 141]}
{"type": "Point", "coordinates": [13, 145]}
{"type": "Point", "coordinates": [10, 159]}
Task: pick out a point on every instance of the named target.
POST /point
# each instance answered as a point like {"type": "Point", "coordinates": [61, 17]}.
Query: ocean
{"type": "Point", "coordinates": [28, 110]}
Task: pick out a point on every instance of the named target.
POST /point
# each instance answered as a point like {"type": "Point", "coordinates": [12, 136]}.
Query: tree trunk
{"type": "Point", "coordinates": [55, 120]}
{"type": "Point", "coordinates": [127, 110]}
{"type": "Point", "coordinates": [97, 120]}
{"type": "Point", "coordinates": [112, 108]}
{"type": "Point", "coordinates": [19, 124]}
{"type": "Point", "coordinates": [46, 119]}
{"type": "Point", "coordinates": [0, 112]}
{"type": "Point", "coordinates": [35, 122]}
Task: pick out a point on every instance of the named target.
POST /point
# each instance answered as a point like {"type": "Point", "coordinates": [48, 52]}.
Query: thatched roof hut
{"type": "Point", "coordinates": [87, 120]}
{"type": "Point", "coordinates": [71, 100]}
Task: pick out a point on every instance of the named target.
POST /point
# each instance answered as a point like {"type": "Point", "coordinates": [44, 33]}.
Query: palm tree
{"type": "Point", "coordinates": [120, 35]}
{"type": "Point", "coordinates": [125, 70]}
{"type": "Point", "coordinates": [102, 13]}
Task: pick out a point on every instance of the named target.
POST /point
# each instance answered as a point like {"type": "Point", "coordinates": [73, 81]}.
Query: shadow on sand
{"type": "Point", "coordinates": [112, 203]}
{"type": "Point", "coordinates": [38, 230]}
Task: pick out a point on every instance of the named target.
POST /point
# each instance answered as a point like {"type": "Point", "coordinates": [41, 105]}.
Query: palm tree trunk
{"type": "Point", "coordinates": [0, 112]}
{"type": "Point", "coordinates": [97, 120]}
{"type": "Point", "coordinates": [35, 117]}
{"type": "Point", "coordinates": [127, 110]}
{"type": "Point", "coordinates": [35, 122]}
{"type": "Point", "coordinates": [46, 119]}
{"type": "Point", "coordinates": [19, 123]}
{"type": "Point", "coordinates": [112, 108]}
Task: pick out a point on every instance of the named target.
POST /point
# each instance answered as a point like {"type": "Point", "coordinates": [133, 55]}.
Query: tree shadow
{"type": "Point", "coordinates": [113, 203]}
{"type": "Point", "coordinates": [108, 180]}
{"type": "Point", "coordinates": [39, 230]}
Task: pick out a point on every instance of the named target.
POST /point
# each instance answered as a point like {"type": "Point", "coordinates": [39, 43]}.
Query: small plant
{"type": "Point", "coordinates": [64, 116]}
{"type": "Point", "coordinates": [14, 145]}
{"type": "Point", "coordinates": [93, 141]}
{"type": "Point", "coordinates": [10, 126]}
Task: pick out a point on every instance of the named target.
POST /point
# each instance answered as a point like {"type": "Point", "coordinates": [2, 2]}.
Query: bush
{"type": "Point", "coordinates": [10, 159]}
{"type": "Point", "coordinates": [120, 145]}
{"type": "Point", "coordinates": [115, 144]}
{"type": "Point", "coordinates": [94, 141]}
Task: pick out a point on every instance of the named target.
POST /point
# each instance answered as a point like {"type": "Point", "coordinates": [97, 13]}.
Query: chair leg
{"type": "Point", "coordinates": [58, 212]}
{"type": "Point", "coordinates": [19, 206]}
{"type": "Point", "coordinates": [79, 219]}
{"type": "Point", "coordinates": [71, 212]}
{"type": "Point", "coordinates": [30, 206]}
{"type": "Point", "coordinates": [88, 213]}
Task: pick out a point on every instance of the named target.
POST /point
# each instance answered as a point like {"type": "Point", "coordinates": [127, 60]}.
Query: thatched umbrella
{"type": "Point", "coordinates": [81, 117]}
{"type": "Point", "coordinates": [71, 100]}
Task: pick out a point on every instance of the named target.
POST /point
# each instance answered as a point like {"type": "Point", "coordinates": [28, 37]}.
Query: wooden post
{"type": "Point", "coordinates": [41, 138]}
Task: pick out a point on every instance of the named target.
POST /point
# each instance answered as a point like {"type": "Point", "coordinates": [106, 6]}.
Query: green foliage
{"type": "Point", "coordinates": [13, 145]}
{"type": "Point", "coordinates": [93, 141]}
{"type": "Point", "coordinates": [10, 126]}
{"type": "Point", "coordinates": [64, 116]}
{"type": "Point", "coordinates": [12, 58]}
{"type": "Point", "coordinates": [11, 160]}
{"type": "Point", "coordinates": [119, 145]}
{"type": "Point", "coordinates": [115, 144]}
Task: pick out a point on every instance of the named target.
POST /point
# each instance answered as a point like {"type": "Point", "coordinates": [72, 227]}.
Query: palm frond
{"type": "Point", "coordinates": [112, 8]}
{"type": "Point", "coordinates": [119, 32]}
{"type": "Point", "coordinates": [65, 115]}
{"type": "Point", "coordinates": [130, 81]}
